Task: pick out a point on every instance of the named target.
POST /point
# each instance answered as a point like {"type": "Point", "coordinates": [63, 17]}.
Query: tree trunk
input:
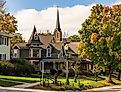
{"type": "Point", "coordinates": [55, 77]}
{"type": "Point", "coordinates": [119, 75]}
{"type": "Point", "coordinates": [75, 78]}
{"type": "Point", "coordinates": [110, 75]}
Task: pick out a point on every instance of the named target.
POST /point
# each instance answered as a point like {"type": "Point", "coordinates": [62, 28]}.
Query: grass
{"type": "Point", "coordinates": [7, 84]}
{"type": "Point", "coordinates": [20, 79]}
{"type": "Point", "coordinates": [87, 82]}
{"type": "Point", "coordinates": [7, 81]}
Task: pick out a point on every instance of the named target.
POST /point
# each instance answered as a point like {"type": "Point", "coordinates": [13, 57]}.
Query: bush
{"type": "Point", "coordinates": [19, 67]}
{"type": "Point", "coordinates": [6, 68]}
{"type": "Point", "coordinates": [22, 67]}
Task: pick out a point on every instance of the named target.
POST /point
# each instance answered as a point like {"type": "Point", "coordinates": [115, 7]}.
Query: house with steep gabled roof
{"type": "Point", "coordinates": [47, 48]}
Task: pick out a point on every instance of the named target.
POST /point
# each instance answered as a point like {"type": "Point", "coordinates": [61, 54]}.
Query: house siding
{"type": "Point", "coordinates": [24, 53]}
{"type": "Point", "coordinates": [4, 49]}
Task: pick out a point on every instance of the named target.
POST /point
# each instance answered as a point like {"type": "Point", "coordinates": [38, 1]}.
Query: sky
{"type": "Point", "coordinates": [42, 14]}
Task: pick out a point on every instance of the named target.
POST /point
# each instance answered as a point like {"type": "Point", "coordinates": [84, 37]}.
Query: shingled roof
{"type": "Point", "coordinates": [4, 34]}
{"type": "Point", "coordinates": [21, 46]}
{"type": "Point", "coordinates": [32, 35]}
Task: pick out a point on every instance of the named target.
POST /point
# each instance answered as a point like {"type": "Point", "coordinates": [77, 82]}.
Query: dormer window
{"type": "Point", "coordinates": [48, 54]}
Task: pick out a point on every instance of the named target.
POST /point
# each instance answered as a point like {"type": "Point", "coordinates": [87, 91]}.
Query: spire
{"type": "Point", "coordinates": [34, 30]}
{"type": "Point", "coordinates": [58, 21]}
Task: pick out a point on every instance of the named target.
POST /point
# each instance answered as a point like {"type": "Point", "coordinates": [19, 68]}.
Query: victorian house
{"type": "Point", "coordinates": [47, 48]}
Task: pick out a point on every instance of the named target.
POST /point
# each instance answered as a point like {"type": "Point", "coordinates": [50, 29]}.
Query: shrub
{"type": "Point", "coordinates": [18, 67]}
{"type": "Point", "coordinates": [22, 67]}
{"type": "Point", "coordinates": [6, 68]}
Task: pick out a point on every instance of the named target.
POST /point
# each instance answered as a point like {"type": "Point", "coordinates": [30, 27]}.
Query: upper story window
{"type": "Point", "coordinates": [2, 56]}
{"type": "Point", "coordinates": [3, 41]}
{"type": "Point", "coordinates": [35, 36]}
{"type": "Point", "coordinates": [49, 51]}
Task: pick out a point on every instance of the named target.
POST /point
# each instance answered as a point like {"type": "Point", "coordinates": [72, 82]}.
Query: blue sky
{"type": "Point", "coordinates": [15, 5]}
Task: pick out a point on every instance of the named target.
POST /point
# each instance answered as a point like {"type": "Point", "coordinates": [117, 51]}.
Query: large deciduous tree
{"type": "Point", "coordinates": [101, 37]}
{"type": "Point", "coordinates": [8, 23]}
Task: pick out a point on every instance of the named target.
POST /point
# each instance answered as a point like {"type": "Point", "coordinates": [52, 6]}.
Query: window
{"type": "Point", "coordinates": [2, 56]}
{"type": "Point", "coordinates": [3, 41]}
{"type": "Point", "coordinates": [49, 51]}
{"type": "Point", "coordinates": [35, 37]}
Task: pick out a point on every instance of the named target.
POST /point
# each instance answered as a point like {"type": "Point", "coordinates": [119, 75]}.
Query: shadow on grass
{"type": "Point", "coordinates": [92, 78]}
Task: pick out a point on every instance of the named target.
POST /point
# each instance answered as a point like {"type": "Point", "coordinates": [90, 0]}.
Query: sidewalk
{"type": "Point", "coordinates": [115, 88]}
{"type": "Point", "coordinates": [9, 89]}
{"type": "Point", "coordinates": [25, 85]}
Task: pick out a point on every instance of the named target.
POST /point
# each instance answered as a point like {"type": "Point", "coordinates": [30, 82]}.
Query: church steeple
{"type": "Point", "coordinates": [58, 21]}
{"type": "Point", "coordinates": [57, 31]}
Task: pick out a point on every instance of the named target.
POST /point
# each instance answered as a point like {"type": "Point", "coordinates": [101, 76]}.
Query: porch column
{"type": "Point", "coordinates": [31, 53]}
{"type": "Point", "coordinates": [87, 67]}
{"type": "Point", "coordinates": [54, 67]}
{"type": "Point", "coordinates": [42, 72]}
{"type": "Point", "coordinates": [39, 53]}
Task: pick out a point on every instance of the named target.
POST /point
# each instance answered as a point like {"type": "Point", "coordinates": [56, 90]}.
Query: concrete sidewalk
{"type": "Point", "coordinates": [9, 89]}
{"type": "Point", "coordinates": [25, 85]}
{"type": "Point", "coordinates": [115, 88]}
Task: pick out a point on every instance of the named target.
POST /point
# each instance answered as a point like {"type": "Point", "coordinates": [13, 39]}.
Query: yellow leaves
{"type": "Point", "coordinates": [109, 38]}
{"type": "Point", "coordinates": [93, 37]}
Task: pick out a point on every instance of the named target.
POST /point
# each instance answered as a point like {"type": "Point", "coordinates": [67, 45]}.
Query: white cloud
{"type": "Point", "coordinates": [117, 2]}
{"type": "Point", "coordinates": [70, 19]}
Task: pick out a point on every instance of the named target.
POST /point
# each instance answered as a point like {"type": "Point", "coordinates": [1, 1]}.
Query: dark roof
{"type": "Point", "coordinates": [21, 45]}
{"type": "Point", "coordinates": [32, 35]}
{"type": "Point", "coordinates": [4, 34]}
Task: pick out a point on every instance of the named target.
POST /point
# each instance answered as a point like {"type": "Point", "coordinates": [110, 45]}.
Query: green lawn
{"type": "Point", "coordinates": [88, 82]}
{"type": "Point", "coordinates": [20, 79]}
{"type": "Point", "coordinates": [7, 84]}
{"type": "Point", "coordinates": [7, 81]}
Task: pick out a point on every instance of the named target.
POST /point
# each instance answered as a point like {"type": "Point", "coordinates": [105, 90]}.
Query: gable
{"type": "Point", "coordinates": [34, 38]}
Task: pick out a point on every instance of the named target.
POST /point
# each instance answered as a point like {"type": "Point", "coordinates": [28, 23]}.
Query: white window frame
{"type": "Point", "coordinates": [48, 49]}
{"type": "Point", "coordinates": [3, 40]}
{"type": "Point", "coordinates": [3, 57]}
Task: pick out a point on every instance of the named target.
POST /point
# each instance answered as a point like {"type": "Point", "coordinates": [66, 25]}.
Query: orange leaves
{"type": "Point", "coordinates": [93, 37]}
{"type": "Point", "coordinates": [80, 46]}
{"type": "Point", "coordinates": [118, 57]}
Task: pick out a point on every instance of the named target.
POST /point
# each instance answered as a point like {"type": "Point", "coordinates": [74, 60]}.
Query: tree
{"type": "Point", "coordinates": [96, 70]}
{"type": "Point", "coordinates": [56, 73]}
{"type": "Point", "coordinates": [76, 69]}
{"type": "Point", "coordinates": [100, 36]}
{"type": "Point", "coordinates": [8, 23]}
{"type": "Point", "coordinates": [74, 38]}
{"type": "Point", "coordinates": [17, 38]}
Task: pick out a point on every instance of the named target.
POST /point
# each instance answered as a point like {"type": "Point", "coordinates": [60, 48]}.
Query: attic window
{"type": "Point", "coordinates": [35, 37]}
